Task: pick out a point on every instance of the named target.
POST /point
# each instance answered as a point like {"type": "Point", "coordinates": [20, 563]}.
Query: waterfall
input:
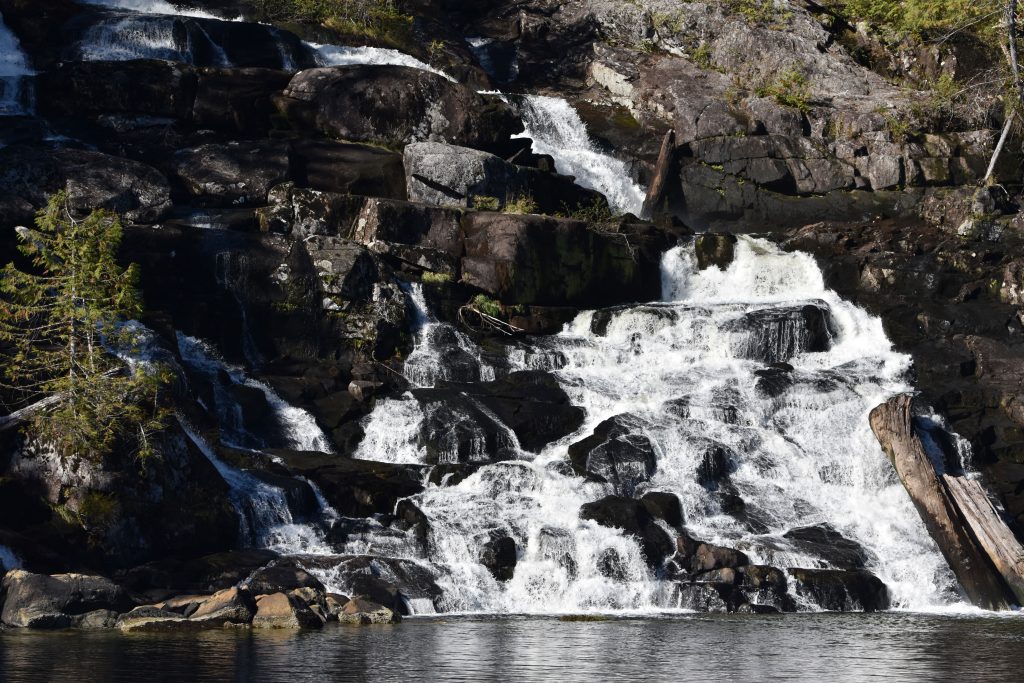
{"type": "Point", "coordinates": [335, 55]}
{"type": "Point", "coordinates": [153, 7]}
{"type": "Point", "coordinates": [14, 93]}
{"type": "Point", "coordinates": [556, 129]}
{"type": "Point", "coordinates": [294, 428]}
{"type": "Point", "coordinates": [689, 372]}
{"type": "Point", "coordinates": [9, 559]}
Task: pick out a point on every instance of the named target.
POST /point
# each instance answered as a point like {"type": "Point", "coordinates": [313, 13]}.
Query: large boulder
{"type": "Point", "coordinates": [233, 173]}
{"type": "Point", "coordinates": [634, 519]}
{"type": "Point", "coordinates": [499, 556]}
{"type": "Point", "coordinates": [842, 590]}
{"type": "Point", "coordinates": [393, 105]}
{"type": "Point", "coordinates": [93, 180]}
{"type": "Point", "coordinates": [453, 176]}
{"type": "Point", "coordinates": [332, 166]}
{"type": "Point", "coordinates": [283, 610]}
{"type": "Point", "coordinates": [41, 601]}
{"type": "Point", "coordinates": [559, 262]}
{"type": "Point", "coordinates": [281, 576]}
{"type": "Point", "coordinates": [775, 335]}
{"type": "Point", "coordinates": [529, 404]}
{"type": "Point", "coordinates": [232, 605]}
{"type": "Point", "coordinates": [364, 612]}
{"type": "Point", "coordinates": [823, 541]}
{"type": "Point", "coordinates": [617, 453]}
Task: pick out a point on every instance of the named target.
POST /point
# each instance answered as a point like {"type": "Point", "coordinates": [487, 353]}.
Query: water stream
{"type": "Point", "coordinates": [14, 70]}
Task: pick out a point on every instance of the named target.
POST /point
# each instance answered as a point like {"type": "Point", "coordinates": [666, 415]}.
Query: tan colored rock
{"type": "Point", "coordinates": [280, 610]}
{"type": "Point", "coordinates": [182, 604]}
{"type": "Point", "coordinates": [334, 604]}
{"type": "Point", "coordinates": [234, 605]}
{"type": "Point", "coordinates": [364, 612]}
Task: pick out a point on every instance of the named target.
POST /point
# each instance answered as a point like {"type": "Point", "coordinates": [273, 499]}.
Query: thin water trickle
{"type": "Point", "coordinates": [14, 70]}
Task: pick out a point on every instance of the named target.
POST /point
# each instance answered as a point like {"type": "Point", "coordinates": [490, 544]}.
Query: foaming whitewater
{"type": "Point", "coordinates": [336, 55]}
{"type": "Point", "coordinates": [13, 72]}
{"type": "Point", "coordinates": [440, 353]}
{"type": "Point", "coordinates": [153, 7]}
{"type": "Point", "coordinates": [686, 372]}
{"type": "Point", "coordinates": [556, 129]}
{"type": "Point", "coordinates": [9, 559]}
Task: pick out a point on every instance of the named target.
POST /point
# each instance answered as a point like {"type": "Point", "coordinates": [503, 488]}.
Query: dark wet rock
{"type": "Point", "coordinates": [330, 166]}
{"type": "Point", "coordinates": [632, 517]}
{"type": "Point", "coordinates": [150, 619]}
{"type": "Point", "coordinates": [529, 403]}
{"type": "Point", "coordinates": [717, 461]}
{"type": "Point", "coordinates": [698, 557]}
{"type": "Point", "coordinates": [95, 620]}
{"type": "Point", "coordinates": [356, 488]}
{"type": "Point", "coordinates": [206, 574]}
{"type": "Point", "coordinates": [825, 542]}
{"type": "Point", "coordinates": [610, 564]}
{"type": "Point", "coordinates": [775, 335]}
{"type": "Point", "coordinates": [700, 597]}
{"type": "Point", "coordinates": [499, 556]}
{"type": "Point", "coordinates": [234, 173]}
{"type": "Point", "coordinates": [766, 588]}
{"type": "Point", "coordinates": [617, 453]}
{"type": "Point", "coordinates": [451, 474]}
{"type": "Point", "coordinates": [664, 506]}
{"type": "Point", "coordinates": [393, 105]}
{"type": "Point", "coordinates": [46, 602]}
{"type": "Point", "coordinates": [281, 576]}
{"type": "Point", "coordinates": [409, 517]}
{"type": "Point", "coordinates": [235, 99]}
{"type": "Point", "coordinates": [303, 212]}
{"type": "Point", "coordinates": [714, 249]}
{"type": "Point", "coordinates": [842, 590]}
{"type": "Point", "coordinates": [92, 180]}
{"type": "Point", "coordinates": [558, 262]}
{"type": "Point", "coordinates": [393, 582]}
{"type": "Point", "coordinates": [775, 380]}
{"type": "Point", "coordinates": [558, 546]}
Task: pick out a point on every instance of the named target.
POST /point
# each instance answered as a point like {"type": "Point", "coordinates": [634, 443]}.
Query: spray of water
{"type": "Point", "coordinates": [335, 55]}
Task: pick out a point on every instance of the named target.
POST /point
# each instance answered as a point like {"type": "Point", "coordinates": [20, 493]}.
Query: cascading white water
{"type": "Point", "coordinates": [14, 70]}
{"type": "Point", "coordinates": [556, 129]}
{"type": "Point", "coordinates": [684, 370]}
{"type": "Point", "coordinates": [441, 352]}
{"type": "Point", "coordinates": [153, 7]}
{"type": "Point", "coordinates": [299, 429]}
{"type": "Point", "coordinates": [336, 55]}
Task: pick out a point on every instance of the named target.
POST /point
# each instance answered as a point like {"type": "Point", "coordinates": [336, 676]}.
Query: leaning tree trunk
{"type": "Point", "coordinates": [1011, 55]}
{"type": "Point", "coordinates": [953, 512]}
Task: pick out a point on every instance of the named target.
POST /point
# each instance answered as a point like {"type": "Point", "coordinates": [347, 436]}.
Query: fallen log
{"type": "Point", "coordinates": [23, 414]}
{"type": "Point", "coordinates": [955, 530]}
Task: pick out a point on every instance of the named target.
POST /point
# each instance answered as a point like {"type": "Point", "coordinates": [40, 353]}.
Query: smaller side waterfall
{"type": "Point", "coordinates": [556, 129]}
{"type": "Point", "coordinates": [14, 70]}
{"type": "Point", "coordinates": [9, 559]}
{"type": "Point", "coordinates": [336, 55]}
{"type": "Point", "coordinates": [294, 428]}
{"type": "Point", "coordinates": [153, 7]}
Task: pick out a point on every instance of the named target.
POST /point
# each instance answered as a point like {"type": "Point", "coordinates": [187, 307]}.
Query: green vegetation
{"type": "Point", "coordinates": [487, 305]}
{"type": "Point", "coordinates": [58, 321]}
{"type": "Point", "coordinates": [918, 16]}
{"type": "Point", "coordinates": [485, 203]}
{"type": "Point", "coordinates": [764, 12]}
{"type": "Point", "coordinates": [597, 211]}
{"type": "Point", "coordinates": [701, 56]}
{"type": "Point", "coordinates": [375, 20]}
{"type": "Point", "coordinates": [521, 204]}
{"type": "Point", "coordinates": [789, 88]}
{"type": "Point", "coordinates": [432, 278]}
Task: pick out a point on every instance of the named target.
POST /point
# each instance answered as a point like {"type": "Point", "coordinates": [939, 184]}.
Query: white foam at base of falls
{"type": "Point", "coordinates": [337, 55]}
{"type": "Point", "coordinates": [13, 72]}
{"type": "Point", "coordinates": [557, 129]}
{"type": "Point", "coordinates": [804, 457]}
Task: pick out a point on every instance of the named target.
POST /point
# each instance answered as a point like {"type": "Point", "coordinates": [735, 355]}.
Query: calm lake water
{"type": "Point", "coordinates": [831, 647]}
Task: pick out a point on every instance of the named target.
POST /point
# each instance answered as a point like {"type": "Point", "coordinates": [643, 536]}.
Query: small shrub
{"type": "Point", "coordinates": [487, 305]}
{"type": "Point", "coordinates": [763, 12]}
{"type": "Point", "coordinates": [596, 211]}
{"type": "Point", "coordinates": [485, 203]}
{"type": "Point", "coordinates": [435, 51]}
{"type": "Point", "coordinates": [523, 204]}
{"type": "Point", "coordinates": [430, 277]}
{"type": "Point", "coordinates": [702, 56]}
{"type": "Point", "coordinates": [790, 88]}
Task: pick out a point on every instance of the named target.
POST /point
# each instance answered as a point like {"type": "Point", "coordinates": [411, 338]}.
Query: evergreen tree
{"type": "Point", "coordinates": [59, 325]}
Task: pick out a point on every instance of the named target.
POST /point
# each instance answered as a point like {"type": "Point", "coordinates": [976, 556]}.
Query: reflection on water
{"type": "Point", "coordinates": [833, 647]}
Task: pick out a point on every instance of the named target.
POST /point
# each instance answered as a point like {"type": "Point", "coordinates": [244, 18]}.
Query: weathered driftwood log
{"type": "Point", "coordinates": [955, 530]}
{"type": "Point", "coordinates": [19, 416]}
{"type": "Point", "coordinates": [662, 170]}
